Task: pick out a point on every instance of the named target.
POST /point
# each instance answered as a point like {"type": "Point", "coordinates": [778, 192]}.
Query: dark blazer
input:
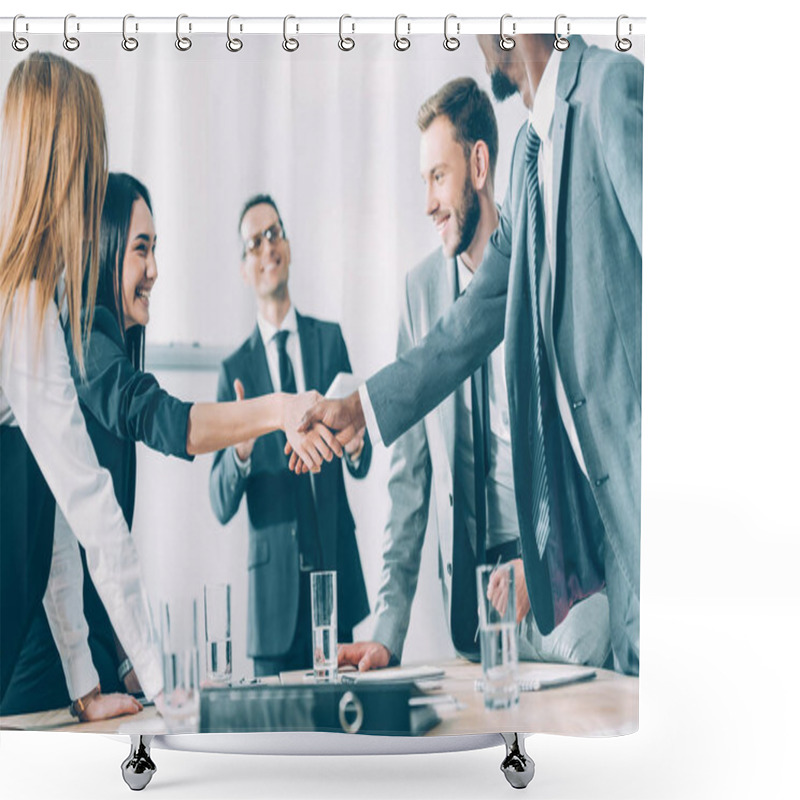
{"type": "Point", "coordinates": [122, 405]}
{"type": "Point", "coordinates": [597, 330]}
{"type": "Point", "coordinates": [273, 559]}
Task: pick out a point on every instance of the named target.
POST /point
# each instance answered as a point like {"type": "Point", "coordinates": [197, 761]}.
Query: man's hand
{"type": "Point", "coordinates": [344, 417]}
{"type": "Point", "coordinates": [106, 706]}
{"type": "Point", "coordinates": [497, 591]}
{"type": "Point", "coordinates": [364, 655]}
{"type": "Point", "coordinates": [354, 447]}
{"type": "Point", "coordinates": [310, 445]}
{"type": "Point", "coordinates": [243, 449]}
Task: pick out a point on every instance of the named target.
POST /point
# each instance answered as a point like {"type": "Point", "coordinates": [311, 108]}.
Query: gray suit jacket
{"type": "Point", "coordinates": [597, 154]}
{"type": "Point", "coordinates": [421, 471]}
{"type": "Point", "coordinates": [273, 556]}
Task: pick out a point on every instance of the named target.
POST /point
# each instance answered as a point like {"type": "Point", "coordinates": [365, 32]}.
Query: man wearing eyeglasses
{"type": "Point", "coordinates": [298, 523]}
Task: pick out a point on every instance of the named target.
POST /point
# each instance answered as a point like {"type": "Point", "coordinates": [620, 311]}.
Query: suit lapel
{"type": "Point", "coordinates": [257, 368]}
{"type": "Point", "coordinates": [310, 353]}
{"type": "Point", "coordinates": [446, 294]}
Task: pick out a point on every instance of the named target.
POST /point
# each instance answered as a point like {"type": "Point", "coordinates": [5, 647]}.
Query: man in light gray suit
{"type": "Point", "coordinates": [561, 281]}
{"type": "Point", "coordinates": [433, 464]}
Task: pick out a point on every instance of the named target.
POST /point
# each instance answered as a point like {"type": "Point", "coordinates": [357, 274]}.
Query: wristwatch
{"type": "Point", "coordinates": [123, 669]}
{"type": "Point", "coordinates": [79, 706]}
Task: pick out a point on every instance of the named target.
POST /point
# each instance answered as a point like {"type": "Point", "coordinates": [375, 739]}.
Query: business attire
{"type": "Point", "coordinates": [121, 405]}
{"type": "Point", "coordinates": [298, 523]}
{"type": "Point", "coordinates": [432, 474]}
{"type": "Point", "coordinates": [38, 397]}
{"type": "Point", "coordinates": [569, 306]}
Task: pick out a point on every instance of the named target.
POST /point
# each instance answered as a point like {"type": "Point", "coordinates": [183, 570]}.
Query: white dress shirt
{"type": "Point", "coordinates": [541, 120]}
{"type": "Point", "coordinates": [38, 394]}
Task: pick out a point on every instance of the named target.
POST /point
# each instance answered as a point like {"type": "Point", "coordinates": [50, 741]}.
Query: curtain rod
{"type": "Point", "coordinates": [407, 26]}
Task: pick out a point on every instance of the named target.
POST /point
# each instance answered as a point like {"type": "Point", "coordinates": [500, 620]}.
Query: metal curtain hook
{"type": "Point", "coordinates": [346, 42]}
{"type": "Point", "coordinates": [19, 43]}
{"type": "Point", "coordinates": [451, 42]}
{"type": "Point", "coordinates": [401, 43]}
{"type": "Point", "coordinates": [233, 44]}
{"type": "Point", "coordinates": [289, 44]}
{"type": "Point", "coordinates": [507, 42]}
{"type": "Point", "coordinates": [623, 45]}
{"type": "Point", "coordinates": [129, 43]}
{"type": "Point", "coordinates": [183, 43]}
{"type": "Point", "coordinates": [561, 42]}
{"type": "Point", "coordinates": [71, 43]}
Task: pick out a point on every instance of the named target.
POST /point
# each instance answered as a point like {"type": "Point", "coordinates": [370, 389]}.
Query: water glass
{"type": "Point", "coordinates": [324, 626]}
{"type": "Point", "coordinates": [181, 661]}
{"type": "Point", "coordinates": [217, 601]}
{"type": "Point", "coordinates": [497, 611]}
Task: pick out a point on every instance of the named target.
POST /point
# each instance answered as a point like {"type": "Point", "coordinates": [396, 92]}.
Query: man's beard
{"type": "Point", "coordinates": [468, 215]}
{"type": "Point", "coordinates": [502, 88]}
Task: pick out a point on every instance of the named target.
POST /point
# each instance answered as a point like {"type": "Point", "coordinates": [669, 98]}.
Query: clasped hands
{"type": "Point", "coordinates": [318, 429]}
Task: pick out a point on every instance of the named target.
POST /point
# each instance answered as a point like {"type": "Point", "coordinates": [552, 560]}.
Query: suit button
{"type": "Point", "coordinates": [581, 401]}
{"type": "Point", "coordinates": [450, 570]}
{"type": "Point", "coordinates": [451, 501]}
{"type": "Point", "coordinates": [600, 481]}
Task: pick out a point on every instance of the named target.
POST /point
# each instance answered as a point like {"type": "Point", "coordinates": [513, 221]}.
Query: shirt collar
{"type": "Point", "coordinates": [465, 275]}
{"type": "Point", "coordinates": [268, 330]}
{"type": "Point", "coordinates": [544, 101]}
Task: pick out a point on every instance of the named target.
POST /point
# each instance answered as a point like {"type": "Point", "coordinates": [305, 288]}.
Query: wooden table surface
{"type": "Point", "coordinates": [608, 705]}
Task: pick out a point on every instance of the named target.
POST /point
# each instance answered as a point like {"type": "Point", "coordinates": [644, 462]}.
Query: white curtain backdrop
{"type": "Point", "coordinates": [333, 137]}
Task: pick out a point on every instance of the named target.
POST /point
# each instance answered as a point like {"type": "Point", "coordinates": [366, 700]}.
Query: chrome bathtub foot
{"type": "Point", "coordinates": [138, 768]}
{"type": "Point", "coordinates": [517, 766]}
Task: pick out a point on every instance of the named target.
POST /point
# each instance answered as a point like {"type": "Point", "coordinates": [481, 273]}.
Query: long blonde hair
{"type": "Point", "coordinates": [53, 172]}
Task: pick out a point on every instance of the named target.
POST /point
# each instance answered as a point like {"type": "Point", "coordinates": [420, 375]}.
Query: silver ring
{"type": "Point", "coordinates": [401, 43]}
{"type": "Point", "coordinates": [346, 43]}
{"type": "Point", "coordinates": [350, 702]}
{"type": "Point", "coordinates": [129, 43]}
{"type": "Point", "coordinates": [183, 43]}
{"type": "Point", "coordinates": [19, 43]}
{"type": "Point", "coordinates": [561, 42]}
{"type": "Point", "coordinates": [71, 43]}
{"type": "Point", "coordinates": [233, 44]}
{"type": "Point", "coordinates": [507, 42]}
{"type": "Point", "coordinates": [289, 44]}
{"type": "Point", "coordinates": [623, 45]}
{"type": "Point", "coordinates": [451, 42]}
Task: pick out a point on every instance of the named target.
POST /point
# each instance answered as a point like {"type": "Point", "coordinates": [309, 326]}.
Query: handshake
{"type": "Point", "coordinates": [317, 429]}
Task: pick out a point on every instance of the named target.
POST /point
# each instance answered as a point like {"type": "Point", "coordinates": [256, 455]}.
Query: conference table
{"type": "Point", "coordinates": [607, 705]}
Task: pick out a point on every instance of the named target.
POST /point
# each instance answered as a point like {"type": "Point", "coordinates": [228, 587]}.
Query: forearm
{"type": "Point", "coordinates": [215, 426]}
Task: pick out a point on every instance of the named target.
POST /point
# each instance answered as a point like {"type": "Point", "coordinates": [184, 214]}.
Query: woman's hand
{"type": "Point", "coordinates": [106, 706]}
{"type": "Point", "coordinates": [314, 446]}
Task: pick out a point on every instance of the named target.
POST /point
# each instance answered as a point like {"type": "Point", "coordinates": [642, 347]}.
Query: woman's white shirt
{"type": "Point", "coordinates": [37, 392]}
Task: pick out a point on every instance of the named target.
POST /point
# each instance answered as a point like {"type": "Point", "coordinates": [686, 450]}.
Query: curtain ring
{"type": "Point", "coordinates": [71, 43]}
{"type": "Point", "coordinates": [507, 42]}
{"type": "Point", "coordinates": [129, 43]}
{"type": "Point", "coordinates": [234, 45]}
{"type": "Point", "coordinates": [451, 42]}
{"type": "Point", "coordinates": [289, 44]}
{"type": "Point", "coordinates": [623, 45]}
{"type": "Point", "coordinates": [183, 43]}
{"type": "Point", "coordinates": [561, 43]}
{"type": "Point", "coordinates": [401, 43]}
{"type": "Point", "coordinates": [19, 43]}
{"type": "Point", "coordinates": [346, 43]}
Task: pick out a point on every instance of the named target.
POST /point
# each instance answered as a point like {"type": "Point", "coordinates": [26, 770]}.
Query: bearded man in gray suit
{"type": "Point", "coordinates": [433, 465]}
{"type": "Point", "coordinates": [561, 281]}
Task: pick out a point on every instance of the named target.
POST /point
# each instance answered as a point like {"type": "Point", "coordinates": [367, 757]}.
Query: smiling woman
{"type": "Point", "coordinates": [123, 404]}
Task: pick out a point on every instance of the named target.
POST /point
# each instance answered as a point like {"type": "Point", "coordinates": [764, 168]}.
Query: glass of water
{"type": "Point", "coordinates": [324, 626]}
{"type": "Point", "coordinates": [497, 611]}
{"type": "Point", "coordinates": [217, 601]}
{"type": "Point", "coordinates": [181, 662]}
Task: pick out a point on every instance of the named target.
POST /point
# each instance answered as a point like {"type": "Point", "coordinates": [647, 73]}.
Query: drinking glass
{"type": "Point", "coordinates": [181, 661]}
{"type": "Point", "coordinates": [324, 626]}
{"type": "Point", "coordinates": [217, 602]}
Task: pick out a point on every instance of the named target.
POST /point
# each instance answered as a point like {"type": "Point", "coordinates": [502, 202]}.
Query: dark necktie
{"type": "Point", "coordinates": [540, 489]}
{"type": "Point", "coordinates": [308, 535]}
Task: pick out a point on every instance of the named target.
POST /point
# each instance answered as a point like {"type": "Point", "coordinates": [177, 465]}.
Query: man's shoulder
{"type": "Point", "coordinates": [605, 72]}
{"type": "Point", "coordinates": [325, 328]}
{"type": "Point", "coordinates": [242, 351]}
{"type": "Point", "coordinates": [427, 273]}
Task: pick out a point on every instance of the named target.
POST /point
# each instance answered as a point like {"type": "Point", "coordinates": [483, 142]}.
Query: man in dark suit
{"type": "Point", "coordinates": [561, 282]}
{"type": "Point", "coordinates": [298, 523]}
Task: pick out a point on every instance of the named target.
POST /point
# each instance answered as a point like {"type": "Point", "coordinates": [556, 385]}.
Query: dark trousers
{"type": "Point", "coordinates": [27, 514]}
{"type": "Point", "coordinates": [300, 654]}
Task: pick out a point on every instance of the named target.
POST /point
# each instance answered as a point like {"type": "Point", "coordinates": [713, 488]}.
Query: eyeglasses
{"type": "Point", "coordinates": [272, 234]}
